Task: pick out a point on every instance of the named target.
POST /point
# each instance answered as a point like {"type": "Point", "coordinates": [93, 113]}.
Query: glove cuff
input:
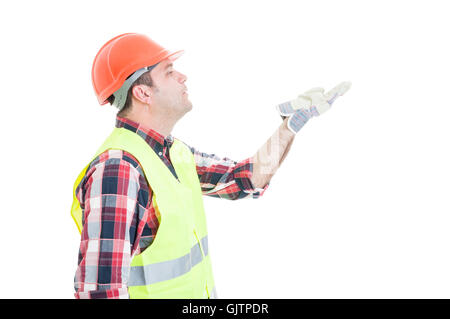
{"type": "Point", "coordinates": [298, 120]}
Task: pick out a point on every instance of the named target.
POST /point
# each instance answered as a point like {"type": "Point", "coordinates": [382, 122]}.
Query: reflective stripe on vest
{"type": "Point", "coordinates": [177, 264]}
{"type": "Point", "coordinates": [153, 273]}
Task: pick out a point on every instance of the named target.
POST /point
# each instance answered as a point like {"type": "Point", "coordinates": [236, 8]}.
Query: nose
{"type": "Point", "coordinates": [182, 77]}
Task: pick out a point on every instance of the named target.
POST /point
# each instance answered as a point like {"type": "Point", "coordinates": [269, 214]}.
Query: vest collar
{"type": "Point", "coordinates": [156, 140]}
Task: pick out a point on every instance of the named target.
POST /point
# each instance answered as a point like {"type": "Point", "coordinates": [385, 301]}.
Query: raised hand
{"type": "Point", "coordinates": [313, 102]}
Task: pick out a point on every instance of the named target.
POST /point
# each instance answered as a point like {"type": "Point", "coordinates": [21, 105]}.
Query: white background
{"type": "Point", "coordinates": [359, 208]}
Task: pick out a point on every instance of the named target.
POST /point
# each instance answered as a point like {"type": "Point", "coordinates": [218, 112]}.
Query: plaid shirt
{"type": "Point", "coordinates": [119, 219]}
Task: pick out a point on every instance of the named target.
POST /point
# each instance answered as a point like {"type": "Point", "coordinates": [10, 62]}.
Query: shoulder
{"type": "Point", "coordinates": [113, 160]}
{"type": "Point", "coordinates": [112, 165]}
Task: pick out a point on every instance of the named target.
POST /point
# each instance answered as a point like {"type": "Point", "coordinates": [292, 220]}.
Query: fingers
{"type": "Point", "coordinates": [314, 97]}
{"type": "Point", "coordinates": [337, 91]}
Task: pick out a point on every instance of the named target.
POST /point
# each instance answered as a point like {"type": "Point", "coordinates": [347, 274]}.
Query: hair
{"type": "Point", "coordinates": [145, 79]}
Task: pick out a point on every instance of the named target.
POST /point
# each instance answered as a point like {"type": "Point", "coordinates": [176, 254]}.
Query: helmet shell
{"type": "Point", "coordinates": [122, 56]}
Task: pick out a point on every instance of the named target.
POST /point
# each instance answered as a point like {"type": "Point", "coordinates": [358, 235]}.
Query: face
{"type": "Point", "coordinates": [170, 94]}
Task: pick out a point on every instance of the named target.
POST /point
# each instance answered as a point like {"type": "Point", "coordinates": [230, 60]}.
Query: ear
{"type": "Point", "coordinates": [142, 93]}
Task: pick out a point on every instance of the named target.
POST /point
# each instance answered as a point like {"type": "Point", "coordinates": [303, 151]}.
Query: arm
{"type": "Point", "coordinates": [269, 157]}
{"type": "Point", "coordinates": [295, 114]}
{"type": "Point", "coordinates": [224, 178]}
{"type": "Point", "coordinates": [113, 197]}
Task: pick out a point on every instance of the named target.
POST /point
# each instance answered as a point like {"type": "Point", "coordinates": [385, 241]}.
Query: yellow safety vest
{"type": "Point", "coordinates": [177, 264]}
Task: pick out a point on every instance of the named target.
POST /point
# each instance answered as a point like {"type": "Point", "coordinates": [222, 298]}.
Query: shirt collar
{"type": "Point", "coordinates": [153, 138]}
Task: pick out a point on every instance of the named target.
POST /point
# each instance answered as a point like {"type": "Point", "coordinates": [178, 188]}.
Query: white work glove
{"type": "Point", "coordinates": [313, 102]}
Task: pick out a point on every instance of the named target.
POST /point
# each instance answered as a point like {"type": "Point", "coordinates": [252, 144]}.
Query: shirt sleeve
{"type": "Point", "coordinates": [112, 224]}
{"type": "Point", "coordinates": [222, 177]}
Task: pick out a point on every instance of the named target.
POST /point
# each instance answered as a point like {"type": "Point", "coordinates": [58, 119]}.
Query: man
{"type": "Point", "coordinates": [138, 203]}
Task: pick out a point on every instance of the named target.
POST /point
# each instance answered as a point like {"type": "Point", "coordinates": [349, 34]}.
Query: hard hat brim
{"type": "Point", "coordinates": [175, 55]}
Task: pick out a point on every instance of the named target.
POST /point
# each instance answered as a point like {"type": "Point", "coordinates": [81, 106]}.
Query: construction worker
{"type": "Point", "coordinates": [138, 202]}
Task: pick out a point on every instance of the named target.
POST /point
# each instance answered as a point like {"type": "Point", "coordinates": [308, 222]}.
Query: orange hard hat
{"type": "Point", "coordinates": [120, 57]}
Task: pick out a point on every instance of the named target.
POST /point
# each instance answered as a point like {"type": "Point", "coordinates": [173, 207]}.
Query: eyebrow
{"type": "Point", "coordinates": [168, 66]}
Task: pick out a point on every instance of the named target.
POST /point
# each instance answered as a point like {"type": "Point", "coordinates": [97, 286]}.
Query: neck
{"type": "Point", "coordinates": [157, 121]}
